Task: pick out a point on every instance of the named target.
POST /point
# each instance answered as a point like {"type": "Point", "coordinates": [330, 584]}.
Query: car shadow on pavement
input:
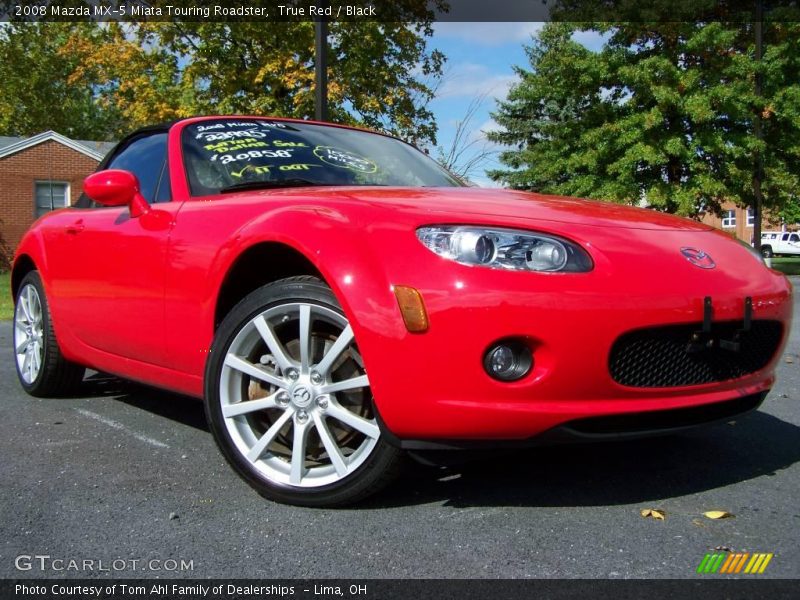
{"type": "Point", "coordinates": [182, 409]}
{"type": "Point", "coordinates": [597, 474]}
{"type": "Point", "coordinates": [610, 473]}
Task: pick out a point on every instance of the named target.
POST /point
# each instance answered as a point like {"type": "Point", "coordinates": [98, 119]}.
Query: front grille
{"type": "Point", "coordinates": [666, 357]}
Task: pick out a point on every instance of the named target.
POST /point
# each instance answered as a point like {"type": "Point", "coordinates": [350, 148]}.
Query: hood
{"type": "Point", "coordinates": [448, 204]}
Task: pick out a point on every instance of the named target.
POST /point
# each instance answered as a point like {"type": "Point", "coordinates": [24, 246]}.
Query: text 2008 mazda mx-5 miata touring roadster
{"type": "Point", "coordinates": [338, 298]}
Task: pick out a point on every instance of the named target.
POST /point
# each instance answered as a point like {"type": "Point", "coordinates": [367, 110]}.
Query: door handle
{"type": "Point", "coordinates": [76, 227]}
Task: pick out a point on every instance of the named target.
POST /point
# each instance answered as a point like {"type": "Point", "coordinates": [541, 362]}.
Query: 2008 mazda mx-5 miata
{"type": "Point", "coordinates": [338, 298]}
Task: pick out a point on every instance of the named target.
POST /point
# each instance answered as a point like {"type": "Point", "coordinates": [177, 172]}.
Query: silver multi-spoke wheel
{"type": "Point", "coordinates": [295, 396]}
{"type": "Point", "coordinates": [289, 401]}
{"type": "Point", "coordinates": [42, 369]}
{"type": "Point", "coordinates": [29, 333]}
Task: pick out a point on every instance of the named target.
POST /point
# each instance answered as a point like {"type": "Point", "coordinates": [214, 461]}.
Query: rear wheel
{"type": "Point", "coordinates": [41, 368]}
{"type": "Point", "coordinates": [289, 401]}
{"type": "Point", "coordinates": [766, 252]}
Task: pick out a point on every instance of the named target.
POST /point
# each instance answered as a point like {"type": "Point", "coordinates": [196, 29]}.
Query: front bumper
{"type": "Point", "coordinates": [432, 386]}
{"type": "Point", "coordinates": [617, 427]}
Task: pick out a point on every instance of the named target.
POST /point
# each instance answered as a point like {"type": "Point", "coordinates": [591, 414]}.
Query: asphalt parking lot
{"type": "Point", "coordinates": [130, 474]}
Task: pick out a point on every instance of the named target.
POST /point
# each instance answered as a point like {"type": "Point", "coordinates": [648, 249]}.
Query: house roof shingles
{"type": "Point", "coordinates": [94, 147]}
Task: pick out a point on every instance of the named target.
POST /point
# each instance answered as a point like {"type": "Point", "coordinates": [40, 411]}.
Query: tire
{"type": "Point", "coordinates": [766, 251]}
{"type": "Point", "coordinates": [42, 369]}
{"type": "Point", "coordinates": [279, 409]}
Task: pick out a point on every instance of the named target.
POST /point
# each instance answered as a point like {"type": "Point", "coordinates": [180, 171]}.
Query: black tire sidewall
{"type": "Point", "coordinates": [345, 491]}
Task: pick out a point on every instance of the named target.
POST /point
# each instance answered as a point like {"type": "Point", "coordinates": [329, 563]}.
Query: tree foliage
{"type": "Point", "coordinates": [662, 113]}
{"type": "Point", "coordinates": [135, 73]}
{"type": "Point", "coordinates": [36, 94]}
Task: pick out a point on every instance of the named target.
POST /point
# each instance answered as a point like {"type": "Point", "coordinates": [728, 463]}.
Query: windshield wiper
{"type": "Point", "coordinates": [265, 185]}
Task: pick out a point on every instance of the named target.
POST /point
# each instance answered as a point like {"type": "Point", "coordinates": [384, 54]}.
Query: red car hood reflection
{"type": "Point", "coordinates": [498, 203]}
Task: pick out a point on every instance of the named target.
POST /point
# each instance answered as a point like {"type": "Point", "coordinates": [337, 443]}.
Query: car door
{"type": "Point", "coordinates": [109, 270]}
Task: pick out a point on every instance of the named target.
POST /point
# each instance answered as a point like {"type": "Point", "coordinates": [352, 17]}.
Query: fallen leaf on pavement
{"type": "Point", "coordinates": [717, 514]}
{"type": "Point", "coordinates": [654, 513]}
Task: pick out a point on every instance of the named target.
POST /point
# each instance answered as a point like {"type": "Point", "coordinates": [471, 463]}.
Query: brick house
{"type": "Point", "coordinates": [738, 221]}
{"type": "Point", "coordinates": [39, 174]}
{"type": "Point", "coordinates": [735, 220]}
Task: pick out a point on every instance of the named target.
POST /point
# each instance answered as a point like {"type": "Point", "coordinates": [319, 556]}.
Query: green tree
{"type": "Point", "coordinates": [124, 75]}
{"type": "Point", "coordinates": [36, 94]}
{"type": "Point", "coordinates": [663, 113]}
{"type": "Point", "coordinates": [379, 73]}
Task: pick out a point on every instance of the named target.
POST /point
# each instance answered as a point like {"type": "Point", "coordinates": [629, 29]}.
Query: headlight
{"type": "Point", "coordinates": [505, 249]}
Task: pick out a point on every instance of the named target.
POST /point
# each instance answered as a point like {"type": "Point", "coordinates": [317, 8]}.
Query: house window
{"type": "Point", "coordinates": [729, 218]}
{"type": "Point", "coordinates": [751, 220]}
{"type": "Point", "coordinates": [51, 195]}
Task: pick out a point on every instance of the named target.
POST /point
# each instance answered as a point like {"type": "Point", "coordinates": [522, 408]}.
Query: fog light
{"type": "Point", "coordinates": [508, 360]}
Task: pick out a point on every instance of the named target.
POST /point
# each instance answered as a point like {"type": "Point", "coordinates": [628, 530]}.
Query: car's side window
{"type": "Point", "coordinates": [785, 237]}
{"type": "Point", "coordinates": [144, 157]}
{"type": "Point", "coordinates": [794, 238]}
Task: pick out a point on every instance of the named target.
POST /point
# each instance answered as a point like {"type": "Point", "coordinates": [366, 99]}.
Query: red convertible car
{"type": "Point", "coordinates": [338, 299]}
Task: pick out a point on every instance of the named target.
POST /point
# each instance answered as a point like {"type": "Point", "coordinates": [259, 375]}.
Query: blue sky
{"type": "Point", "coordinates": [480, 60]}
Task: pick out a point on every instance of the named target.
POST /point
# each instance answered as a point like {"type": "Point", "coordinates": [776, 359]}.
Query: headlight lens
{"type": "Point", "coordinates": [510, 249]}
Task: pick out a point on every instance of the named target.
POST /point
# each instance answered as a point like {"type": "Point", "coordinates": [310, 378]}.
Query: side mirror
{"type": "Point", "coordinates": [115, 187]}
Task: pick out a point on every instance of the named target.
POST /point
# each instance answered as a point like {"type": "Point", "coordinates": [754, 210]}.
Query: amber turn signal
{"type": "Point", "coordinates": [412, 308]}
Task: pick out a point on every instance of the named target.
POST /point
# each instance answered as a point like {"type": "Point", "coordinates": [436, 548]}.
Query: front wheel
{"type": "Point", "coordinates": [288, 398]}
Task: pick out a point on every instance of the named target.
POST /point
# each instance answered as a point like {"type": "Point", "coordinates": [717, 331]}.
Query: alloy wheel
{"type": "Point", "coordinates": [295, 397]}
{"type": "Point", "coordinates": [29, 333]}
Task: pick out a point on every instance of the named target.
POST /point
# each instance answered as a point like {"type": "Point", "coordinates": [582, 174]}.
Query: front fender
{"type": "Point", "coordinates": [31, 248]}
{"type": "Point", "coordinates": [350, 262]}
{"type": "Point", "coordinates": [340, 247]}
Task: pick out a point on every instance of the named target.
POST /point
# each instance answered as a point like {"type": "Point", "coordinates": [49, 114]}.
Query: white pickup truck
{"type": "Point", "coordinates": [778, 243]}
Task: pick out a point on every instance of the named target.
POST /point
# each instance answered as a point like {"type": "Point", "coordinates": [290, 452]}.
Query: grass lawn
{"type": "Point", "coordinates": [6, 305]}
{"type": "Point", "coordinates": [788, 266]}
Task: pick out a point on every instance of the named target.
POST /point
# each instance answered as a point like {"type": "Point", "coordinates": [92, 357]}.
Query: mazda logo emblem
{"type": "Point", "coordinates": [301, 395]}
{"type": "Point", "coordinates": [698, 258]}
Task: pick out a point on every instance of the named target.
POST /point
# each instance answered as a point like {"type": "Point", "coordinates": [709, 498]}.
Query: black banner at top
{"type": "Point", "coordinates": [397, 10]}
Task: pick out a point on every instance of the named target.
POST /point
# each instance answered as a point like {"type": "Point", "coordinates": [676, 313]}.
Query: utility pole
{"type": "Point", "coordinates": [321, 69]}
{"type": "Point", "coordinates": [758, 172]}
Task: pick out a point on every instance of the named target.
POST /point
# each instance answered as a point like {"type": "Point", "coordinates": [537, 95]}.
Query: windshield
{"type": "Point", "coordinates": [228, 154]}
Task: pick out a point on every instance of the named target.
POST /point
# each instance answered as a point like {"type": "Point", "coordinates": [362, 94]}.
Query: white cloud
{"type": "Point", "coordinates": [593, 40]}
{"type": "Point", "coordinates": [484, 182]}
{"type": "Point", "coordinates": [478, 134]}
{"type": "Point", "coordinates": [486, 34]}
{"type": "Point", "coordinates": [472, 80]}
{"type": "Point", "coordinates": [493, 148]}
{"type": "Point", "coordinates": [490, 125]}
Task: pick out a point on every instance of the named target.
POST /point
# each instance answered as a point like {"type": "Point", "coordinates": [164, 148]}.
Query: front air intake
{"type": "Point", "coordinates": [670, 356]}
